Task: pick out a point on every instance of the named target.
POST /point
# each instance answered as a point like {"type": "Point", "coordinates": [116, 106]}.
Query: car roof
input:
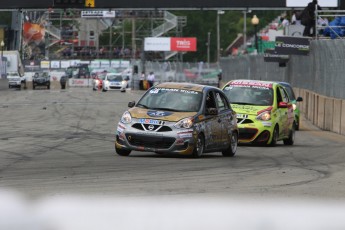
{"type": "Point", "coordinates": [283, 83]}
{"type": "Point", "coordinates": [252, 82]}
{"type": "Point", "coordinates": [186, 86]}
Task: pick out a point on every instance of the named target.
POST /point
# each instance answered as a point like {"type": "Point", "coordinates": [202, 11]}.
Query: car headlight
{"type": "Point", "coordinates": [294, 106]}
{"type": "Point", "coordinates": [97, 82]}
{"type": "Point", "coordinates": [264, 116]}
{"type": "Point", "coordinates": [106, 82]}
{"type": "Point", "coordinates": [185, 123]}
{"type": "Point", "coordinates": [126, 118]}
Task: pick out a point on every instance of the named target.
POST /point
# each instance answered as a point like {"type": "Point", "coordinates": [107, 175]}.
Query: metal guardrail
{"type": "Point", "coordinates": [322, 14]}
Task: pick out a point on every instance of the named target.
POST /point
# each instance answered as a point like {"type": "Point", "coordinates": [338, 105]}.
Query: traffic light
{"type": "Point", "coordinates": [69, 3]}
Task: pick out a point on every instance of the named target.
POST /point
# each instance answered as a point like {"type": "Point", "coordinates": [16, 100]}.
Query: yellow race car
{"type": "Point", "coordinates": [264, 111]}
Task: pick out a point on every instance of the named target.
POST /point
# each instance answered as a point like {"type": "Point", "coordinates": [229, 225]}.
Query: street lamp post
{"type": "Point", "coordinates": [255, 22]}
{"type": "Point", "coordinates": [208, 47]}
{"type": "Point", "coordinates": [2, 44]}
{"type": "Point", "coordinates": [219, 12]}
{"type": "Point", "coordinates": [2, 49]}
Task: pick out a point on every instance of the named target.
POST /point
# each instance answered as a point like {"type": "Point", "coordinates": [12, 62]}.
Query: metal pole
{"type": "Point", "coordinates": [218, 37]}
{"type": "Point", "coordinates": [208, 47]}
{"type": "Point", "coordinates": [110, 40]}
{"type": "Point", "coordinates": [245, 30]}
{"type": "Point", "coordinates": [256, 39]}
{"type": "Point", "coordinates": [133, 38]}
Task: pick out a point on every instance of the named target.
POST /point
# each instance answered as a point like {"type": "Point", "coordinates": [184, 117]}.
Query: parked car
{"type": "Point", "coordinates": [115, 81]}
{"type": "Point", "coordinates": [182, 118]}
{"type": "Point", "coordinates": [264, 111]}
{"type": "Point", "coordinates": [294, 102]}
{"type": "Point", "coordinates": [41, 79]}
{"type": "Point", "coordinates": [14, 80]}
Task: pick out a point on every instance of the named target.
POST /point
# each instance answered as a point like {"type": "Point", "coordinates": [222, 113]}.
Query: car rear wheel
{"type": "Point", "coordinates": [274, 137]}
{"type": "Point", "coordinates": [231, 151]}
{"type": "Point", "coordinates": [199, 146]}
{"type": "Point", "coordinates": [122, 152]}
{"type": "Point", "coordinates": [291, 139]}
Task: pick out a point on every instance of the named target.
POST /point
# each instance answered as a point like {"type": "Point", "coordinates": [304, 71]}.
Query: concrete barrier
{"type": "Point", "coordinates": [325, 112]}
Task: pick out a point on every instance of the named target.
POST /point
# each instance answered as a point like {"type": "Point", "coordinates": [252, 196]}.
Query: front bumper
{"type": "Point", "coordinates": [130, 137]}
{"type": "Point", "coordinates": [255, 132]}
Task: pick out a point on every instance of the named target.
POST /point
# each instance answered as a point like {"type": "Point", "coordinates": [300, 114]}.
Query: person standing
{"type": "Point", "coordinates": [141, 80]}
{"type": "Point", "coordinates": [308, 18]}
{"type": "Point", "coordinates": [151, 79]}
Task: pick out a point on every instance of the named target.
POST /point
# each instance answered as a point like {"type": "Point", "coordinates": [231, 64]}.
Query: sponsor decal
{"type": "Point", "coordinates": [154, 113]}
{"type": "Point", "coordinates": [251, 83]}
{"type": "Point", "coordinates": [120, 130]}
{"type": "Point", "coordinates": [266, 124]}
{"type": "Point", "coordinates": [150, 121]}
{"type": "Point", "coordinates": [242, 116]}
{"type": "Point", "coordinates": [185, 134]}
{"type": "Point", "coordinates": [158, 90]}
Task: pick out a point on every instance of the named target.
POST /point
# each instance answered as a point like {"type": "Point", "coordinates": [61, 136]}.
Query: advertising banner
{"type": "Point", "coordinates": [292, 45]}
{"type": "Point", "coordinates": [271, 55]}
{"type": "Point", "coordinates": [157, 44]}
{"type": "Point", "coordinates": [183, 44]}
{"type": "Point", "coordinates": [170, 44]}
{"type": "Point", "coordinates": [98, 14]}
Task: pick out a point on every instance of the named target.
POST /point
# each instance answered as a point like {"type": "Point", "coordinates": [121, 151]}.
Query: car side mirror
{"type": "Point", "coordinates": [283, 104]}
{"type": "Point", "coordinates": [131, 104]}
{"type": "Point", "coordinates": [211, 111]}
{"type": "Point", "coordinates": [299, 99]}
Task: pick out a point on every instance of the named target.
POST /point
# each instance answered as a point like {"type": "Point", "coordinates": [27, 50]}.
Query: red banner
{"type": "Point", "coordinates": [183, 44]}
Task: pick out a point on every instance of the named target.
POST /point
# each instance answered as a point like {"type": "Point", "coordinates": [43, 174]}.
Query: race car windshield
{"type": "Point", "coordinates": [172, 100]}
{"type": "Point", "coordinates": [249, 95]}
{"type": "Point", "coordinates": [114, 78]}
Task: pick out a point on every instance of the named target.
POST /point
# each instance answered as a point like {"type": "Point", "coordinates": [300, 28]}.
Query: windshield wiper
{"type": "Point", "coordinates": [167, 109]}
{"type": "Point", "coordinates": [241, 103]}
{"type": "Point", "coordinates": [143, 106]}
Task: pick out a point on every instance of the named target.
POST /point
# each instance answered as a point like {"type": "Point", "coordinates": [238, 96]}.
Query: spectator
{"type": "Point", "coordinates": [151, 79]}
{"type": "Point", "coordinates": [141, 80]}
{"type": "Point", "coordinates": [308, 18]}
{"type": "Point", "coordinates": [294, 20]}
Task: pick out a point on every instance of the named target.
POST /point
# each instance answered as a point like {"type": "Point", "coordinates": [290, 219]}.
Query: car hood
{"type": "Point", "coordinates": [249, 109]}
{"type": "Point", "coordinates": [159, 114]}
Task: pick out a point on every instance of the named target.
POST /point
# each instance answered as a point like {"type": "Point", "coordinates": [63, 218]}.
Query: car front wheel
{"type": "Point", "coordinates": [275, 134]}
{"type": "Point", "coordinates": [231, 151]}
{"type": "Point", "coordinates": [199, 146]}
{"type": "Point", "coordinates": [122, 152]}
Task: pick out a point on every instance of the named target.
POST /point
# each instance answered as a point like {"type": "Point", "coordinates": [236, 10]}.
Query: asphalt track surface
{"type": "Point", "coordinates": [62, 142]}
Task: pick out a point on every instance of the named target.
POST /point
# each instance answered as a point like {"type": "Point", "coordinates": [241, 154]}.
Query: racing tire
{"type": "Point", "coordinates": [103, 90]}
{"type": "Point", "coordinates": [123, 152]}
{"type": "Point", "coordinates": [199, 146]}
{"type": "Point", "coordinates": [297, 124]}
{"type": "Point", "coordinates": [48, 87]}
{"type": "Point", "coordinates": [33, 87]}
{"type": "Point", "coordinates": [231, 151]}
{"type": "Point", "coordinates": [291, 139]}
{"type": "Point", "coordinates": [274, 137]}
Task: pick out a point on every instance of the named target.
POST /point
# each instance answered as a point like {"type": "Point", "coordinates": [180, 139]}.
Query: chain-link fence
{"type": "Point", "coordinates": [322, 71]}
